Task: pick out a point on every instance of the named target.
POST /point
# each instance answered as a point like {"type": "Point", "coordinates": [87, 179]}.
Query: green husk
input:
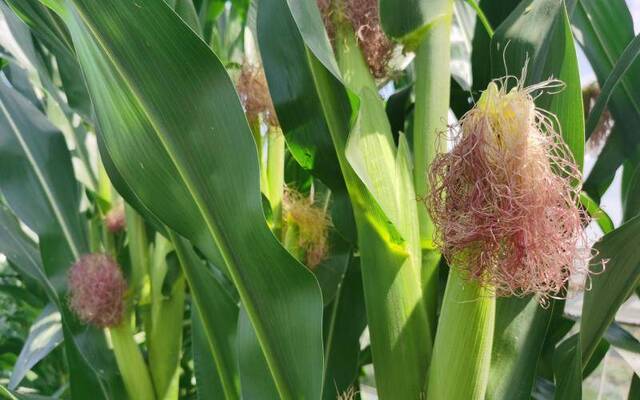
{"type": "Point", "coordinates": [461, 359]}
{"type": "Point", "coordinates": [130, 362]}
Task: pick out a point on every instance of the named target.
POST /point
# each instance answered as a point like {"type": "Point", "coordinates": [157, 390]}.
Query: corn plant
{"type": "Point", "coordinates": [331, 199]}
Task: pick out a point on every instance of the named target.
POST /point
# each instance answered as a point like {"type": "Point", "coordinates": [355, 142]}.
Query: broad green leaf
{"type": "Point", "coordinates": [208, 385]}
{"type": "Point", "coordinates": [345, 319]}
{"type": "Point", "coordinates": [613, 286]}
{"type": "Point", "coordinates": [568, 370]}
{"type": "Point", "coordinates": [44, 336]}
{"type": "Point", "coordinates": [619, 337]}
{"type": "Point", "coordinates": [254, 372]}
{"type": "Point", "coordinates": [520, 331]}
{"type": "Point", "coordinates": [217, 313]}
{"type": "Point", "coordinates": [309, 24]}
{"type": "Point", "coordinates": [623, 64]}
{"type": "Point", "coordinates": [186, 10]}
{"type": "Point", "coordinates": [169, 135]}
{"type": "Point", "coordinates": [625, 344]}
{"type": "Point", "coordinates": [603, 43]}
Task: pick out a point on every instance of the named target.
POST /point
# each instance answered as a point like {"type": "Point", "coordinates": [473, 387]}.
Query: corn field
{"type": "Point", "coordinates": [331, 199]}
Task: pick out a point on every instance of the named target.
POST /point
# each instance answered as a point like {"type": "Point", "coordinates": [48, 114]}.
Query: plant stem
{"type": "Point", "coordinates": [461, 359]}
{"type": "Point", "coordinates": [167, 309]}
{"type": "Point", "coordinates": [431, 111]}
{"type": "Point", "coordinates": [275, 176]}
{"type": "Point", "coordinates": [130, 362]}
{"type": "Point", "coordinates": [138, 249]}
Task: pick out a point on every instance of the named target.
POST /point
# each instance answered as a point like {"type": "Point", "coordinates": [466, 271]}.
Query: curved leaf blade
{"type": "Point", "coordinates": [623, 64]}
{"type": "Point", "coordinates": [170, 137]}
{"type": "Point", "coordinates": [44, 335]}
{"type": "Point", "coordinates": [612, 287]}
{"type": "Point", "coordinates": [217, 314]}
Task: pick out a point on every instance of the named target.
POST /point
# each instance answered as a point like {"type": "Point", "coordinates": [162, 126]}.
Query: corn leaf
{"type": "Point", "coordinates": [612, 287]}
{"type": "Point", "coordinates": [44, 336]}
{"type": "Point", "coordinates": [623, 64]}
{"type": "Point", "coordinates": [603, 43]}
{"type": "Point", "coordinates": [168, 130]}
{"type": "Point", "coordinates": [217, 315]}
{"type": "Point", "coordinates": [345, 319]}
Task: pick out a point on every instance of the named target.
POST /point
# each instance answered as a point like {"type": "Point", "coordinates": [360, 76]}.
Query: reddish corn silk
{"type": "Point", "coordinates": [364, 17]}
{"type": "Point", "coordinates": [312, 223]}
{"type": "Point", "coordinates": [97, 289]}
{"type": "Point", "coordinates": [115, 219]}
{"type": "Point", "coordinates": [504, 199]}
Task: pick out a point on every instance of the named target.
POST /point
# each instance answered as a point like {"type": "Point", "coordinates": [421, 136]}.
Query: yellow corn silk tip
{"type": "Point", "coordinates": [509, 115]}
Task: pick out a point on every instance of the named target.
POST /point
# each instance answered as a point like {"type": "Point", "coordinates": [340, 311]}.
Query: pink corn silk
{"type": "Point", "coordinates": [506, 210]}
{"type": "Point", "coordinates": [115, 220]}
{"type": "Point", "coordinates": [97, 290]}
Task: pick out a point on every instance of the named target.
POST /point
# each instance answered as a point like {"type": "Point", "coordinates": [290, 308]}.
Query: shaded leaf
{"type": "Point", "coordinates": [44, 336]}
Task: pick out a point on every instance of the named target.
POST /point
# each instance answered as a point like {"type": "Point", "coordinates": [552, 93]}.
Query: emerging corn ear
{"type": "Point", "coordinates": [97, 296]}
{"type": "Point", "coordinates": [504, 201]}
{"type": "Point", "coordinates": [505, 198]}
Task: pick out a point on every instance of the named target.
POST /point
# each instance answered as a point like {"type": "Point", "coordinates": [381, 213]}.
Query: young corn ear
{"type": "Point", "coordinates": [97, 296]}
{"type": "Point", "coordinates": [505, 198]}
{"type": "Point", "coordinates": [97, 290]}
{"type": "Point", "coordinates": [504, 202]}
{"type": "Point", "coordinates": [364, 17]}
